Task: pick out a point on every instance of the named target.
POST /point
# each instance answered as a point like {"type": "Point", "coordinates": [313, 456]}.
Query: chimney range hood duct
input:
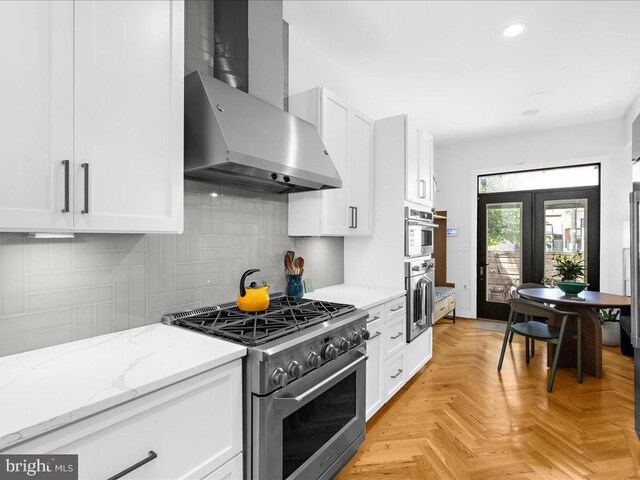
{"type": "Point", "coordinates": [235, 138]}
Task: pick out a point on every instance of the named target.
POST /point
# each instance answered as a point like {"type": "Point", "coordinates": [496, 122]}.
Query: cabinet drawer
{"type": "Point", "coordinates": [395, 336]}
{"type": "Point", "coordinates": [396, 307]}
{"type": "Point", "coordinates": [232, 470]}
{"type": "Point", "coordinates": [441, 308]}
{"type": "Point", "coordinates": [394, 373]}
{"type": "Point", "coordinates": [452, 302]}
{"type": "Point", "coordinates": [375, 313]}
{"type": "Point", "coordinates": [190, 438]}
{"type": "Point", "coordinates": [419, 352]}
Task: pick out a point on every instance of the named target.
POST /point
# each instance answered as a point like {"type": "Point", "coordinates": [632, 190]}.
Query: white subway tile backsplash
{"type": "Point", "coordinates": [58, 290]}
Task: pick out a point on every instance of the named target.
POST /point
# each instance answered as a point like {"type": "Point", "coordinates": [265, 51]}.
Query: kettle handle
{"type": "Point", "coordinates": [243, 291]}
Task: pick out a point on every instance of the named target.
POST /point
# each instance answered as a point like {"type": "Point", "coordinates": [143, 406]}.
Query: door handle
{"type": "Point", "coordinates": [85, 166]}
{"type": "Point", "coordinates": [66, 186]}
{"type": "Point", "coordinates": [356, 210]}
{"type": "Point", "coordinates": [423, 188]}
{"type": "Point", "coordinates": [352, 219]}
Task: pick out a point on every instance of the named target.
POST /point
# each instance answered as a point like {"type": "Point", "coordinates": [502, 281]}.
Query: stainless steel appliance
{"type": "Point", "coordinates": [420, 283]}
{"type": "Point", "coordinates": [632, 325]}
{"type": "Point", "coordinates": [418, 232]}
{"type": "Point", "coordinates": [233, 137]}
{"type": "Point", "coordinates": [304, 382]}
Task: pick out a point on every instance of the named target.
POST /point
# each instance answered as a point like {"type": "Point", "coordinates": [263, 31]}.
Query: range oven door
{"type": "Point", "coordinates": [314, 425]}
{"type": "Point", "coordinates": [418, 239]}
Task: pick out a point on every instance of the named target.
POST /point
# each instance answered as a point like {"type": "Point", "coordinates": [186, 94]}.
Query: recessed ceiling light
{"type": "Point", "coordinates": [513, 30]}
{"type": "Point", "coordinates": [530, 113]}
{"type": "Point", "coordinates": [537, 96]}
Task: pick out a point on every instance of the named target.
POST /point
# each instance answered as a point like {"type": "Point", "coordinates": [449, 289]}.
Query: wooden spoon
{"type": "Point", "coordinates": [288, 262]}
{"type": "Point", "coordinates": [299, 265]}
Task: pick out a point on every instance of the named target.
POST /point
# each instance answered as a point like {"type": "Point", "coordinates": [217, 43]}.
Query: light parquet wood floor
{"type": "Point", "coordinates": [459, 419]}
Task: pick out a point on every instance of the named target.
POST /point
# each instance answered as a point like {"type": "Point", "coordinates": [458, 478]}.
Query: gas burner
{"type": "Point", "coordinates": [284, 316]}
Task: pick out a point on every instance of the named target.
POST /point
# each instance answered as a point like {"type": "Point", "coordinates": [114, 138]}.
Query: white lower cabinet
{"type": "Point", "coordinates": [395, 375]}
{"type": "Point", "coordinates": [375, 393]}
{"type": "Point", "coordinates": [179, 423]}
{"type": "Point", "coordinates": [419, 352]}
{"type": "Point", "coordinates": [232, 470]}
{"type": "Point", "coordinates": [392, 361]}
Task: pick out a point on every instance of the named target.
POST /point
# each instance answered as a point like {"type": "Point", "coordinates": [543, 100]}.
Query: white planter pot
{"type": "Point", "coordinates": [611, 334]}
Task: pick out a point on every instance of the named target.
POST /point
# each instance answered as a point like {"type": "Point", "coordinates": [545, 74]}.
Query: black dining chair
{"type": "Point", "coordinates": [534, 330]}
{"type": "Point", "coordinates": [521, 318]}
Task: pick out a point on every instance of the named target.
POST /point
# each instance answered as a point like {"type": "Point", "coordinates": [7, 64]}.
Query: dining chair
{"type": "Point", "coordinates": [521, 318]}
{"type": "Point", "coordinates": [535, 330]}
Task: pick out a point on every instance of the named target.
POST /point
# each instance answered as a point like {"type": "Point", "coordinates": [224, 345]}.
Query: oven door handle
{"type": "Point", "coordinates": [283, 402]}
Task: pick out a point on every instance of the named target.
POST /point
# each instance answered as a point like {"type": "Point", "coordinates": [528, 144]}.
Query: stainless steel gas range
{"type": "Point", "coordinates": [304, 382]}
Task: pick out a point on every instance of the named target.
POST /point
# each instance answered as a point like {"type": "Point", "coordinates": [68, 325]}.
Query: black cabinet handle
{"type": "Point", "coordinates": [356, 224]}
{"type": "Point", "coordinates": [85, 166]}
{"type": "Point", "coordinates": [397, 374]}
{"type": "Point", "coordinates": [126, 471]}
{"type": "Point", "coordinates": [66, 186]}
{"type": "Point", "coordinates": [352, 210]}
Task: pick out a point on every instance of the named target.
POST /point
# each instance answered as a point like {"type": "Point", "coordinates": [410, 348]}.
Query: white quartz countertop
{"type": "Point", "coordinates": [45, 389]}
{"type": "Point", "coordinates": [361, 297]}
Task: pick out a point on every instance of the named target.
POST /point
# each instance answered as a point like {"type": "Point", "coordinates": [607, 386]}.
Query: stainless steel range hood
{"type": "Point", "coordinates": [233, 137]}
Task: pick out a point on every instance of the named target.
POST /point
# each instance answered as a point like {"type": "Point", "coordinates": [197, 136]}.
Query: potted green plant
{"type": "Point", "coordinates": [570, 270]}
{"type": "Point", "coordinates": [610, 321]}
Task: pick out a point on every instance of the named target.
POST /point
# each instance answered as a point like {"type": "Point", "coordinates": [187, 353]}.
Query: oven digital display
{"type": "Point", "coordinates": [309, 428]}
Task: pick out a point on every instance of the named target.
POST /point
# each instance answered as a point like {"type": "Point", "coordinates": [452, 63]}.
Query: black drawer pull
{"type": "Point", "coordinates": [397, 374]}
{"type": "Point", "coordinates": [377, 334]}
{"type": "Point", "coordinates": [126, 471]}
{"type": "Point", "coordinates": [397, 336]}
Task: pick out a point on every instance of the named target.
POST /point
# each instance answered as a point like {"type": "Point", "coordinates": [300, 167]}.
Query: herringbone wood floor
{"type": "Point", "coordinates": [459, 419]}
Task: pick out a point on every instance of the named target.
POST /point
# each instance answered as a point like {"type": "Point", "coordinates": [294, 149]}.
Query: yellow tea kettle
{"type": "Point", "coordinates": [253, 298]}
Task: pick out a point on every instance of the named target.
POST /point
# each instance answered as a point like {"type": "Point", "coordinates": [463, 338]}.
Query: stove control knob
{"type": "Point", "coordinates": [314, 360]}
{"type": "Point", "coordinates": [344, 345]}
{"type": "Point", "coordinates": [279, 377]}
{"type": "Point", "coordinates": [330, 352]}
{"type": "Point", "coordinates": [356, 338]}
{"type": "Point", "coordinates": [366, 334]}
{"type": "Point", "coordinates": [295, 369]}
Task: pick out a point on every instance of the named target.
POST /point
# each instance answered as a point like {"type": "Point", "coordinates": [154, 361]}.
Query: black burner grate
{"type": "Point", "coordinates": [284, 316]}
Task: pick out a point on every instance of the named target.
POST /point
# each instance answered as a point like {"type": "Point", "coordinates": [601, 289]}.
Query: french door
{"type": "Point", "coordinates": [520, 234]}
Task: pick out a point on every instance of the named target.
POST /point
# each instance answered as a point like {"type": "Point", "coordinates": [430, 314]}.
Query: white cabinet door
{"type": "Point", "coordinates": [36, 114]}
{"type": "Point", "coordinates": [361, 174]}
{"type": "Point", "coordinates": [335, 135]}
{"type": "Point", "coordinates": [426, 168]}
{"type": "Point", "coordinates": [375, 381]}
{"type": "Point", "coordinates": [419, 352]}
{"type": "Point", "coordinates": [412, 163]}
{"type": "Point", "coordinates": [128, 115]}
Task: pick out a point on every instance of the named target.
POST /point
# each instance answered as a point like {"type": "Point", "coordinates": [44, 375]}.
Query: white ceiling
{"type": "Point", "coordinates": [447, 64]}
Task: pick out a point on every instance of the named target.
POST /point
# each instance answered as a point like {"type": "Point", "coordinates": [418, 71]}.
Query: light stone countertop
{"type": "Point", "coordinates": [361, 297]}
{"type": "Point", "coordinates": [44, 389]}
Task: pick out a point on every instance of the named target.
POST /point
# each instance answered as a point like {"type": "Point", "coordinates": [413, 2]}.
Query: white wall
{"type": "Point", "coordinates": [457, 166]}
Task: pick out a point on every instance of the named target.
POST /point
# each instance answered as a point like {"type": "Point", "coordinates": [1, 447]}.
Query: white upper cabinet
{"type": "Point", "coordinates": [418, 165]}
{"type": "Point", "coordinates": [99, 84]}
{"type": "Point", "coordinates": [36, 115]}
{"type": "Point", "coordinates": [335, 135]}
{"type": "Point", "coordinates": [348, 136]}
{"type": "Point", "coordinates": [128, 114]}
{"type": "Point", "coordinates": [361, 174]}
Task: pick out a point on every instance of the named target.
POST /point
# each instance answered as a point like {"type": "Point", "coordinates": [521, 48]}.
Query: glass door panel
{"type": "Point", "coordinates": [565, 231]}
{"type": "Point", "coordinates": [504, 250]}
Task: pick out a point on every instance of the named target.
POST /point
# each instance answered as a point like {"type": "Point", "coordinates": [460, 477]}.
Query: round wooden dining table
{"type": "Point", "coordinates": [584, 304]}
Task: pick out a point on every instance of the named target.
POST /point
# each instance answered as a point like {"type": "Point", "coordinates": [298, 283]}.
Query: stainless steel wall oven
{"type": "Point", "coordinates": [418, 233]}
{"type": "Point", "coordinates": [420, 283]}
